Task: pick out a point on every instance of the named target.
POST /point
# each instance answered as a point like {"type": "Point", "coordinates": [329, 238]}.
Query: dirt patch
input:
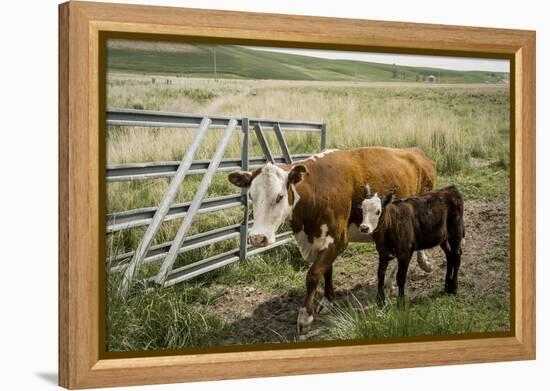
{"type": "Point", "coordinates": [257, 316]}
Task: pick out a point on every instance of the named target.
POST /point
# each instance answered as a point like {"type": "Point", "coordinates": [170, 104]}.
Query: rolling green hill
{"type": "Point", "coordinates": [235, 62]}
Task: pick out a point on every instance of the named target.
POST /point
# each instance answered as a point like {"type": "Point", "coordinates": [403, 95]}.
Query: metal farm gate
{"type": "Point", "coordinates": [178, 170]}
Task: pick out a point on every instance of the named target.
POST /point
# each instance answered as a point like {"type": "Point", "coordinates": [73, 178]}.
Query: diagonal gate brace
{"type": "Point", "coordinates": [284, 147]}
{"type": "Point", "coordinates": [263, 143]}
{"type": "Point", "coordinates": [164, 207]}
{"type": "Point", "coordinates": [168, 262]}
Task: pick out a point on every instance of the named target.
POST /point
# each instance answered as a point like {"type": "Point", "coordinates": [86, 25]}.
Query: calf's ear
{"type": "Point", "coordinates": [240, 178]}
{"type": "Point", "coordinates": [388, 198]}
{"type": "Point", "coordinates": [367, 191]}
{"type": "Point", "coordinates": [296, 174]}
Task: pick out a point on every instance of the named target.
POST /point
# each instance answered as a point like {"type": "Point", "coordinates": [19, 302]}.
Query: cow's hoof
{"type": "Point", "coordinates": [304, 321]}
{"type": "Point", "coordinates": [325, 305]}
{"type": "Point", "coordinates": [425, 265]}
{"type": "Point", "coordinates": [424, 262]}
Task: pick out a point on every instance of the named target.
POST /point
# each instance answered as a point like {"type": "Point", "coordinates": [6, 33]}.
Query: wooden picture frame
{"type": "Point", "coordinates": [81, 175]}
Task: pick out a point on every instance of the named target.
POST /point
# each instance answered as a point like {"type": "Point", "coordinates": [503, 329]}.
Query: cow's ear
{"type": "Point", "coordinates": [240, 178]}
{"type": "Point", "coordinates": [296, 174]}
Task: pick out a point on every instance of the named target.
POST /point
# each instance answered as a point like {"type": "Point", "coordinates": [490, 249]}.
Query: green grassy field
{"type": "Point", "coordinates": [463, 128]}
{"type": "Point", "coordinates": [235, 62]}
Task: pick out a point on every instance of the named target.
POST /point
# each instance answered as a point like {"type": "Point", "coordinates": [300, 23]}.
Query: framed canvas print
{"type": "Point", "coordinates": [247, 195]}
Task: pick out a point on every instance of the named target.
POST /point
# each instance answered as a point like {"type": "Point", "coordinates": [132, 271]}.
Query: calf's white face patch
{"type": "Point", "coordinates": [372, 208]}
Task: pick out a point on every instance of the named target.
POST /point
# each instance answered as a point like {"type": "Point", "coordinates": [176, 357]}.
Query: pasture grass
{"type": "Point", "coordinates": [280, 270]}
{"type": "Point", "coordinates": [162, 319]}
{"type": "Point", "coordinates": [478, 183]}
{"type": "Point", "coordinates": [464, 130]}
{"type": "Point", "coordinates": [437, 314]}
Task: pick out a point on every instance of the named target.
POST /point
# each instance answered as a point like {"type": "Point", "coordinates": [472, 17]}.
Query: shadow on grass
{"type": "Point", "coordinates": [274, 321]}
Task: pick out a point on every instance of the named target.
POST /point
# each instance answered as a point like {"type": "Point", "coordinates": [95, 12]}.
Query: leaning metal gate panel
{"type": "Point", "coordinates": [153, 217]}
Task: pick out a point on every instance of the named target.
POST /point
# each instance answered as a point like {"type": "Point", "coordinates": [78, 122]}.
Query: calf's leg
{"type": "Point", "coordinates": [450, 261]}
{"type": "Point", "coordinates": [453, 253]}
{"type": "Point", "coordinates": [382, 266]}
{"type": "Point", "coordinates": [403, 260]}
{"type": "Point", "coordinates": [456, 257]}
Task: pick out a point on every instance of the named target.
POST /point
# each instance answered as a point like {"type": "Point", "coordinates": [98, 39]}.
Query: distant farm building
{"type": "Point", "coordinates": [431, 79]}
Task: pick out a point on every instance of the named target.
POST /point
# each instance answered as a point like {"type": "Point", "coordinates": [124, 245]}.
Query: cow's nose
{"type": "Point", "coordinates": [258, 240]}
{"type": "Point", "coordinates": [365, 229]}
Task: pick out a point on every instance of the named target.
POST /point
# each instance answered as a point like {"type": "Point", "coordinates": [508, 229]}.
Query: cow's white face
{"type": "Point", "coordinates": [269, 195]}
{"type": "Point", "coordinates": [372, 209]}
{"type": "Point", "coordinates": [272, 202]}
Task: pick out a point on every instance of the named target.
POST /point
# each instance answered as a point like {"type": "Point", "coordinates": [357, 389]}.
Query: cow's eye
{"type": "Point", "coordinates": [378, 213]}
{"type": "Point", "coordinates": [279, 198]}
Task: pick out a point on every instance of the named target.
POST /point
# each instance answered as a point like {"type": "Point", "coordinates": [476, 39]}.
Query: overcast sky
{"type": "Point", "coordinates": [457, 63]}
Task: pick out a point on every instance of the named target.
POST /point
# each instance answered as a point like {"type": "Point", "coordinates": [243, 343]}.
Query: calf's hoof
{"type": "Point", "coordinates": [381, 300]}
{"type": "Point", "coordinates": [304, 321]}
{"type": "Point", "coordinates": [325, 305]}
{"type": "Point", "coordinates": [451, 288]}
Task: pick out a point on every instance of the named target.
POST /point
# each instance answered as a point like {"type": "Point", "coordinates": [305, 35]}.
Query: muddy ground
{"type": "Point", "coordinates": [257, 316]}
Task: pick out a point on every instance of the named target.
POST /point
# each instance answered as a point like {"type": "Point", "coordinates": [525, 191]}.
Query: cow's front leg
{"type": "Point", "coordinates": [305, 314]}
{"type": "Point", "coordinates": [326, 302]}
{"type": "Point", "coordinates": [321, 265]}
{"type": "Point", "coordinates": [423, 261]}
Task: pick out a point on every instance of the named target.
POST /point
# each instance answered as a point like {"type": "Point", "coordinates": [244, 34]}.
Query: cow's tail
{"type": "Point", "coordinates": [428, 175]}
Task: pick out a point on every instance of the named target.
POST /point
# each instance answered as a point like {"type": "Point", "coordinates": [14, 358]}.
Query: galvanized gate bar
{"type": "Point", "coordinates": [282, 143]}
{"type": "Point", "coordinates": [143, 216]}
{"type": "Point", "coordinates": [164, 205]}
{"type": "Point", "coordinates": [263, 143]}
{"type": "Point", "coordinates": [195, 204]}
{"type": "Point", "coordinates": [219, 260]}
{"type": "Point", "coordinates": [282, 238]}
{"type": "Point", "coordinates": [193, 242]}
{"type": "Point", "coordinates": [189, 271]}
{"type": "Point", "coordinates": [323, 136]}
{"type": "Point", "coordinates": [153, 170]}
{"type": "Point", "coordinates": [244, 192]}
{"type": "Point", "coordinates": [147, 118]}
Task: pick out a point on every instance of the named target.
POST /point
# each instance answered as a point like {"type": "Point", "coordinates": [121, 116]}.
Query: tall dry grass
{"type": "Point", "coordinates": [451, 124]}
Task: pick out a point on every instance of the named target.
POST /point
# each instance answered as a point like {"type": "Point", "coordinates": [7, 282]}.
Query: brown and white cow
{"type": "Point", "coordinates": [420, 222]}
{"type": "Point", "coordinates": [321, 198]}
